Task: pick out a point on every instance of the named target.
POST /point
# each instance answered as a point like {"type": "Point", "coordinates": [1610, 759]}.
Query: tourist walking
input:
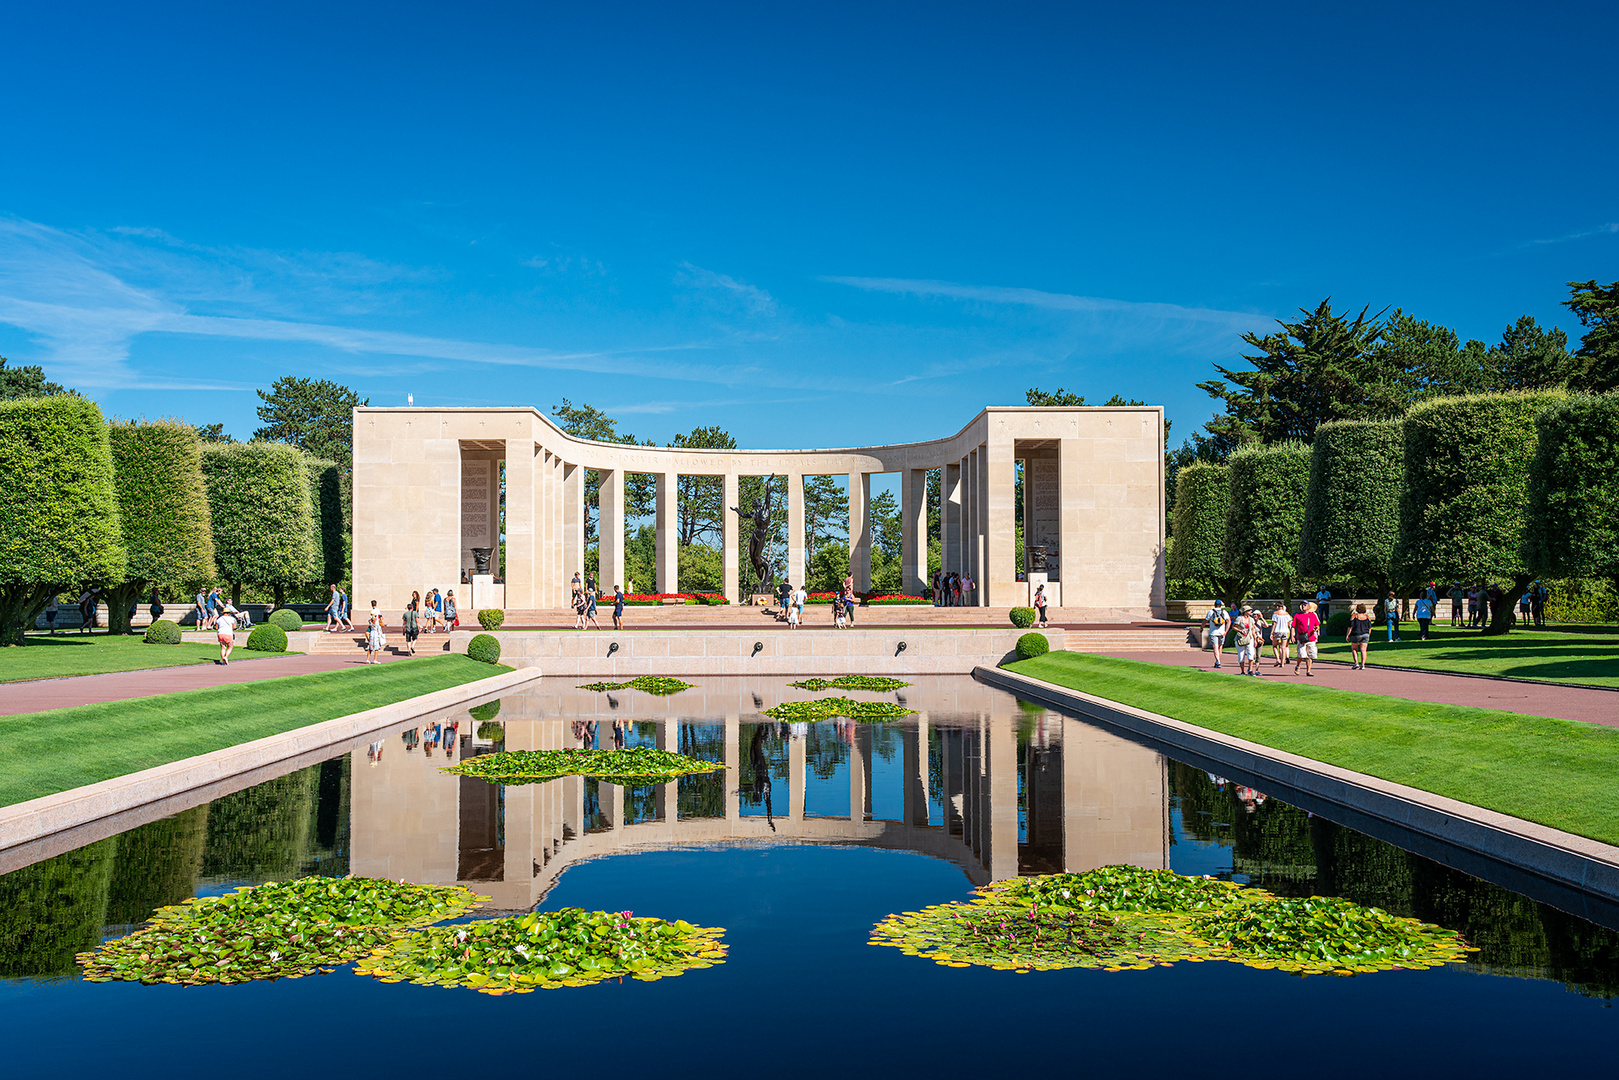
{"type": "Point", "coordinates": [1306, 629]}
{"type": "Point", "coordinates": [1472, 607]}
{"type": "Point", "coordinates": [1457, 596]}
{"type": "Point", "coordinates": [331, 611]}
{"type": "Point", "coordinates": [216, 604]}
{"type": "Point", "coordinates": [225, 632]}
{"type": "Point", "coordinates": [200, 609]}
{"type": "Point", "coordinates": [1391, 615]}
{"type": "Point", "coordinates": [412, 623]}
{"type": "Point", "coordinates": [1281, 627]}
{"type": "Point", "coordinates": [578, 606]}
{"type": "Point", "coordinates": [87, 610]}
{"type": "Point", "coordinates": [791, 608]}
{"type": "Point", "coordinates": [51, 608]}
{"type": "Point", "coordinates": [374, 639]}
{"type": "Point", "coordinates": [590, 608]}
{"type": "Point", "coordinates": [1424, 614]}
{"type": "Point", "coordinates": [1040, 609]}
{"type": "Point", "coordinates": [1247, 630]}
{"type": "Point", "coordinates": [1359, 636]}
{"type": "Point", "coordinates": [967, 588]}
{"type": "Point", "coordinates": [155, 608]}
{"type": "Point", "coordinates": [618, 607]}
{"type": "Point", "coordinates": [452, 617]}
{"type": "Point", "coordinates": [935, 586]}
{"type": "Point", "coordinates": [1524, 603]}
{"type": "Point", "coordinates": [800, 598]}
{"type": "Point", "coordinates": [955, 589]}
{"type": "Point", "coordinates": [1219, 624]}
{"type": "Point", "coordinates": [850, 600]}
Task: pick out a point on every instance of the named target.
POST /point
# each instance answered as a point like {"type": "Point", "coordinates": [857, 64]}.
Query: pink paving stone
{"type": "Point", "coordinates": [1538, 699]}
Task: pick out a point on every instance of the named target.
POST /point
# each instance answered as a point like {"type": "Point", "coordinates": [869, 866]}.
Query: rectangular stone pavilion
{"type": "Point", "coordinates": [427, 494]}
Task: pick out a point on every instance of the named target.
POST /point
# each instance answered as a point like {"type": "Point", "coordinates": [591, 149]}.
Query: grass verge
{"type": "Point", "coordinates": [66, 748]}
{"type": "Point", "coordinates": [46, 657]}
{"type": "Point", "coordinates": [1555, 772]}
{"type": "Point", "coordinates": [1548, 655]}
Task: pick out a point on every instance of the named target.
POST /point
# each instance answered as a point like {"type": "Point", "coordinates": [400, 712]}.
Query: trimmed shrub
{"type": "Point", "coordinates": [58, 507]}
{"type": "Point", "coordinates": [1352, 504]}
{"type": "Point", "coordinates": [331, 506]}
{"type": "Point", "coordinates": [1572, 528]}
{"type": "Point", "coordinates": [1023, 617]}
{"type": "Point", "coordinates": [258, 496]}
{"type": "Point", "coordinates": [485, 648]}
{"type": "Point", "coordinates": [1197, 555]}
{"type": "Point", "coordinates": [1337, 625]}
{"type": "Point", "coordinates": [288, 619]}
{"type": "Point", "coordinates": [485, 712]}
{"type": "Point", "coordinates": [1266, 514]}
{"type": "Point", "coordinates": [1467, 465]}
{"type": "Point", "coordinates": [163, 632]}
{"type": "Point", "coordinates": [491, 618]}
{"type": "Point", "coordinates": [163, 510]}
{"type": "Point", "coordinates": [493, 730]}
{"type": "Point", "coordinates": [267, 637]}
{"type": "Point", "coordinates": [1031, 645]}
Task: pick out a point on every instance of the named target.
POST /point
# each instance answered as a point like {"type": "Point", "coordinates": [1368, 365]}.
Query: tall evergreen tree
{"type": "Point", "coordinates": [1597, 367]}
{"type": "Point", "coordinates": [315, 415]}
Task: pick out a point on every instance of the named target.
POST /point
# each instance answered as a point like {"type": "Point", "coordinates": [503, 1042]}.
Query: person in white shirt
{"type": "Point", "coordinates": [1281, 628]}
{"type": "Point", "coordinates": [227, 632]}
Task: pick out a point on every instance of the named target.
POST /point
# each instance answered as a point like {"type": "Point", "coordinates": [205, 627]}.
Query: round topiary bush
{"type": "Point", "coordinates": [267, 637]}
{"type": "Point", "coordinates": [288, 619]}
{"type": "Point", "coordinates": [163, 632]}
{"type": "Point", "coordinates": [493, 730]}
{"type": "Point", "coordinates": [1031, 645]}
{"type": "Point", "coordinates": [491, 618]}
{"type": "Point", "coordinates": [1023, 617]}
{"type": "Point", "coordinates": [1338, 625]}
{"type": "Point", "coordinates": [485, 648]}
{"type": "Point", "coordinates": [485, 712]}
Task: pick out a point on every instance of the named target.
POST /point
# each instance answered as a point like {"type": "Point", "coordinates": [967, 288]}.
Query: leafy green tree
{"type": "Point", "coordinates": [157, 865]}
{"type": "Point", "coordinates": [1266, 513]}
{"type": "Point", "coordinates": [1352, 505]}
{"type": "Point", "coordinates": [641, 561]}
{"type": "Point", "coordinates": [700, 500]}
{"type": "Point", "coordinates": [1415, 360]}
{"type": "Point", "coordinates": [702, 569]}
{"type": "Point", "coordinates": [751, 493]}
{"type": "Point", "coordinates": [1059, 397]}
{"type": "Point", "coordinates": [1572, 529]}
{"type": "Point", "coordinates": [828, 568]}
{"type": "Point", "coordinates": [212, 433]}
{"type": "Point", "coordinates": [331, 501]}
{"type": "Point", "coordinates": [262, 833]}
{"type": "Point", "coordinates": [826, 518]}
{"type": "Point", "coordinates": [1529, 358]}
{"type": "Point", "coordinates": [25, 382]}
{"type": "Point", "coordinates": [58, 507]}
{"type": "Point", "coordinates": [263, 523]}
{"type": "Point", "coordinates": [1596, 369]}
{"type": "Point", "coordinates": [163, 507]}
{"type": "Point", "coordinates": [315, 415]}
{"type": "Point", "coordinates": [1310, 371]}
{"type": "Point", "coordinates": [54, 910]}
{"type": "Point", "coordinates": [1202, 503]}
{"type": "Point", "coordinates": [640, 489]}
{"type": "Point", "coordinates": [1467, 490]}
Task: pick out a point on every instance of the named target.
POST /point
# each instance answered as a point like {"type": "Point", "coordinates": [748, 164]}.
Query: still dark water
{"type": "Point", "coordinates": [976, 787]}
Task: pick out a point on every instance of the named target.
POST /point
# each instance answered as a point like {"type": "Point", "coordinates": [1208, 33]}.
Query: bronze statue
{"type": "Point", "coordinates": [761, 536]}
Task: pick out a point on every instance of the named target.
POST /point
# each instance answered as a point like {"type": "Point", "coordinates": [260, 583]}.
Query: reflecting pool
{"type": "Point", "coordinates": [811, 835]}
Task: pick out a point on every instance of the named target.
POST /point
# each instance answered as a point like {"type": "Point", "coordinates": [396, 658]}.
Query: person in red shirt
{"type": "Point", "coordinates": [1307, 630]}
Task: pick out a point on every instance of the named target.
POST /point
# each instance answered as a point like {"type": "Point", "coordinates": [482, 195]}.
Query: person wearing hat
{"type": "Point", "coordinates": [1247, 628]}
{"type": "Point", "coordinates": [1306, 631]}
{"type": "Point", "coordinates": [226, 627]}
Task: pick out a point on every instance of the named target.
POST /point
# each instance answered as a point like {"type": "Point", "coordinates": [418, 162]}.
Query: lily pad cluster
{"type": "Point", "coordinates": [571, 947]}
{"type": "Point", "coordinates": [278, 930]}
{"type": "Point", "coordinates": [878, 683]}
{"type": "Point", "coordinates": [651, 684]}
{"type": "Point", "coordinates": [636, 765]}
{"type": "Point", "coordinates": [1122, 918]}
{"type": "Point", "coordinates": [826, 708]}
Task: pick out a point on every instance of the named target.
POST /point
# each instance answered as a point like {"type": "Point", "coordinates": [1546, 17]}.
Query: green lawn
{"type": "Point", "coordinates": [1559, 773]}
{"type": "Point", "coordinates": [66, 748]}
{"type": "Point", "coordinates": [46, 657]}
{"type": "Point", "coordinates": [1588, 657]}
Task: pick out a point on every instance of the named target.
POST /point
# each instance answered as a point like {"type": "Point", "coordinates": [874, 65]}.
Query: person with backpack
{"type": "Point", "coordinates": [1248, 635]}
{"type": "Point", "coordinates": [1306, 631]}
{"type": "Point", "coordinates": [1218, 624]}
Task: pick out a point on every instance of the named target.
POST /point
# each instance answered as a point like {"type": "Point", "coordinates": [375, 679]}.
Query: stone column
{"type": "Point", "coordinates": [969, 519]}
{"type": "Point", "coordinates": [914, 531]}
{"type": "Point", "coordinates": [1001, 853]}
{"type": "Point", "coordinates": [860, 530]}
{"type": "Point", "coordinates": [610, 529]}
{"type": "Point", "coordinates": [573, 521]}
{"type": "Point", "coordinates": [1000, 526]}
{"type": "Point", "coordinates": [981, 499]}
{"type": "Point", "coordinates": [733, 769]}
{"type": "Point", "coordinates": [560, 572]}
{"type": "Point", "coordinates": [797, 772]}
{"type": "Point", "coordinates": [668, 533]}
{"type": "Point", "coordinates": [668, 797]}
{"type": "Point", "coordinates": [545, 532]}
{"type": "Point", "coordinates": [860, 773]}
{"type": "Point", "coordinates": [795, 528]}
{"type": "Point", "coordinates": [732, 539]}
{"type": "Point", "coordinates": [916, 773]}
{"type": "Point", "coordinates": [1076, 503]}
{"type": "Point", "coordinates": [521, 512]}
{"type": "Point", "coordinates": [950, 517]}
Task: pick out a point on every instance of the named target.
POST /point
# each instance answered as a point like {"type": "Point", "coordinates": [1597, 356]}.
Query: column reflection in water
{"type": "Point", "coordinates": [998, 791]}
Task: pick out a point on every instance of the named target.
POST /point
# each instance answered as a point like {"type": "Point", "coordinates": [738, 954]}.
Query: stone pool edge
{"type": "Point", "coordinates": [26, 826]}
{"type": "Point", "coordinates": [1572, 861]}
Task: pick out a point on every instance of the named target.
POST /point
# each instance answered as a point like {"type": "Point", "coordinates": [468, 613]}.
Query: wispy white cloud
{"type": "Point", "coordinates": [1609, 229]}
{"type": "Point", "coordinates": [750, 298]}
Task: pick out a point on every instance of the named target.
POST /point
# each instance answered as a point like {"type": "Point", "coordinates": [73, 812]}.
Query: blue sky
{"type": "Point", "coordinates": [815, 226]}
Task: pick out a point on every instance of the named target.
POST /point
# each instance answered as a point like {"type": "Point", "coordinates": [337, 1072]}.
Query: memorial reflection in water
{"type": "Point", "coordinates": [972, 778]}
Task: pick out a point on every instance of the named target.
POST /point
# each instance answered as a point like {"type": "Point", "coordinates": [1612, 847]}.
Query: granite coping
{"type": "Point", "coordinates": [31, 821]}
{"type": "Point", "coordinates": [1588, 867]}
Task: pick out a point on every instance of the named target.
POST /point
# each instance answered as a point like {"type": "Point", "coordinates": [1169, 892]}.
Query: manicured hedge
{"type": "Point", "coordinates": [1266, 514]}
{"type": "Point", "coordinates": [1467, 488]}
{"type": "Point", "coordinates": [485, 712]}
{"type": "Point", "coordinates": [163, 509]}
{"type": "Point", "coordinates": [58, 507]}
{"type": "Point", "coordinates": [1023, 617]}
{"type": "Point", "coordinates": [491, 618]}
{"type": "Point", "coordinates": [288, 619]}
{"type": "Point", "coordinates": [1197, 553]}
{"type": "Point", "coordinates": [163, 632]}
{"type": "Point", "coordinates": [485, 648]}
{"type": "Point", "coordinates": [1031, 645]}
{"type": "Point", "coordinates": [1352, 504]}
{"type": "Point", "coordinates": [267, 637]}
{"type": "Point", "coordinates": [331, 504]}
{"type": "Point", "coordinates": [258, 494]}
{"type": "Point", "coordinates": [1573, 517]}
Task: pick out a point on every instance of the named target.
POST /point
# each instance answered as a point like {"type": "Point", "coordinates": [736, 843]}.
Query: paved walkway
{"type": "Point", "coordinates": [1538, 699]}
{"type": "Point", "coordinates": [28, 697]}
